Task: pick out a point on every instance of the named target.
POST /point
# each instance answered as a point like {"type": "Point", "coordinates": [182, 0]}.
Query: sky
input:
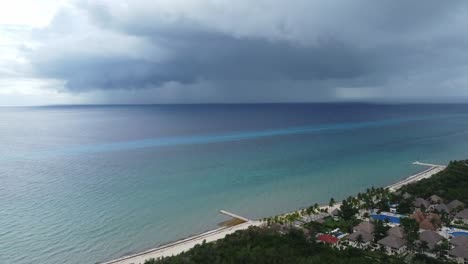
{"type": "Point", "coordinates": [243, 51]}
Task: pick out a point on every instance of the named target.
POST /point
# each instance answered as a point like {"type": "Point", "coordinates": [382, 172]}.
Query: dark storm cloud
{"type": "Point", "coordinates": [385, 47]}
{"type": "Point", "coordinates": [215, 57]}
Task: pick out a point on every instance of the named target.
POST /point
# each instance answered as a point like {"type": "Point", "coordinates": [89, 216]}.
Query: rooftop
{"type": "Point", "coordinates": [463, 214]}
{"type": "Point", "coordinates": [454, 204]}
{"type": "Point", "coordinates": [326, 238]}
{"type": "Point", "coordinates": [335, 212]}
{"type": "Point", "coordinates": [460, 241]}
{"type": "Point", "coordinates": [391, 241]}
{"type": "Point", "coordinates": [396, 231]}
{"type": "Point", "coordinates": [427, 221]}
{"type": "Point", "coordinates": [459, 252]}
{"type": "Point", "coordinates": [431, 237]}
{"type": "Point", "coordinates": [435, 199]}
{"type": "Point", "coordinates": [442, 207]}
{"type": "Point", "coordinates": [365, 226]}
{"type": "Point", "coordinates": [406, 195]}
{"type": "Point", "coordinates": [366, 237]}
{"type": "Point", "coordinates": [419, 202]}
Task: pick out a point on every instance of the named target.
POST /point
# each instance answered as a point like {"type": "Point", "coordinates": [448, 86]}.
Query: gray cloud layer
{"type": "Point", "coordinates": [225, 51]}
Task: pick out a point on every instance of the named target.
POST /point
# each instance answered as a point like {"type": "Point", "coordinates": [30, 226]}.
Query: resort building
{"type": "Point", "coordinates": [462, 216]}
{"type": "Point", "coordinates": [335, 213]}
{"type": "Point", "coordinates": [364, 232]}
{"type": "Point", "coordinates": [455, 205]}
{"type": "Point", "coordinates": [441, 208]}
{"type": "Point", "coordinates": [360, 239]}
{"type": "Point", "coordinates": [431, 238]}
{"type": "Point", "coordinates": [328, 239]}
{"type": "Point", "coordinates": [459, 241]}
{"type": "Point", "coordinates": [435, 199]}
{"type": "Point", "coordinates": [393, 245]}
{"type": "Point", "coordinates": [406, 195]}
{"type": "Point", "coordinates": [420, 203]}
{"type": "Point", "coordinates": [396, 231]}
{"type": "Point", "coordinates": [459, 254]}
{"type": "Point", "coordinates": [427, 221]}
{"type": "Point", "coordinates": [365, 227]}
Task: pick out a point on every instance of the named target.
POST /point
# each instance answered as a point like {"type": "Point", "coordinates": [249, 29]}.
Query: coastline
{"type": "Point", "coordinates": [433, 169]}
{"type": "Point", "coordinates": [182, 245]}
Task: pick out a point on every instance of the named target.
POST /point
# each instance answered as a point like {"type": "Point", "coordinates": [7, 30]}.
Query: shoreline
{"type": "Point", "coordinates": [427, 173]}
{"type": "Point", "coordinates": [177, 247]}
{"type": "Point", "coordinates": [180, 246]}
{"type": "Point", "coordinates": [433, 169]}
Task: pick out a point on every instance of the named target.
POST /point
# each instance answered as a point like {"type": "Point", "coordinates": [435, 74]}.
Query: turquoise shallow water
{"type": "Point", "coordinates": [86, 184]}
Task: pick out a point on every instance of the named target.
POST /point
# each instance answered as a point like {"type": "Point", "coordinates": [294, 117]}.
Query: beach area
{"type": "Point", "coordinates": [183, 245]}
{"type": "Point", "coordinates": [433, 169]}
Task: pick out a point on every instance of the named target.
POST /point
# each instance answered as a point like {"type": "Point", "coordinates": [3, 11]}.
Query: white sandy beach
{"type": "Point", "coordinates": [182, 245]}
{"type": "Point", "coordinates": [433, 169]}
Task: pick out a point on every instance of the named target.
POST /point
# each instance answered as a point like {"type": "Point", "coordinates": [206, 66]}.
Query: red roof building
{"type": "Point", "coordinates": [328, 239]}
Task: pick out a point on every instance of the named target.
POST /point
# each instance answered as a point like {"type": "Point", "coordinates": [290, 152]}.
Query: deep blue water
{"type": "Point", "coordinates": [86, 184]}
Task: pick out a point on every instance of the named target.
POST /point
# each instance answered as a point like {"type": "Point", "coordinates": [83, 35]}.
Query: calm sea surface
{"type": "Point", "coordinates": [88, 184]}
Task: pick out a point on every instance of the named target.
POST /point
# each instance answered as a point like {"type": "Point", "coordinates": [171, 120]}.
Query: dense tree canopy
{"type": "Point", "coordinates": [380, 230]}
{"type": "Point", "coordinates": [347, 210]}
{"type": "Point", "coordinates": [263, 245]}
{"type": "Point", "coordinates": [411, 227]}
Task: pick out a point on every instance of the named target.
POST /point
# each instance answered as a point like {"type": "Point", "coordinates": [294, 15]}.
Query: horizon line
{"type": "Point", "coordinates": [241, 103]}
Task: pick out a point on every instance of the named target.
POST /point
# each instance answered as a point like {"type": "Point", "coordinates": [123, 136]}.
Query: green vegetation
{"type": "Point", "coordinates": [380, 230]}
{"type": "Point", "coordinates": [461, 226]}
{"type": "Point", "coordinates": [450, 183]}
{"type": "Point", "coordinates": [348, 210]}
{"type": "Point", "coordinates": [405, 207]}
{"type": "Point", "coordinates": [262, 245]}
{"type": "Point", "coordinates": [373, 198]}
{"type": "Point", "coordinates": [411, 228]}
{"type": "Point", "coordinates": [288, 218]}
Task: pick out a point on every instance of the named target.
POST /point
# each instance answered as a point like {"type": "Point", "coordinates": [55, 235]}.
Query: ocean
{"type": "Point", "coordinates": [82, 184]}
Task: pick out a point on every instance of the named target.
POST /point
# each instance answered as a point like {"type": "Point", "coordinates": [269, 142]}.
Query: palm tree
{"type": "Point", "coordinates": [445, 217]}
{"type": "Point", "coordinates": [423, 208]}
{"type": "Point", "coordinates": [359, 196]}
{"type": "Point", "coordinates": [423, 246]}
{"type": "Point", "coordinates": [438, 250]}
{"type": "Point", "coordinates": [359, 240]}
